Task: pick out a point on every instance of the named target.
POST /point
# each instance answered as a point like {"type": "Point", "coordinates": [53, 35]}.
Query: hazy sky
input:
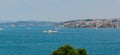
{"type": "Point", "coordinates": [58, 10]}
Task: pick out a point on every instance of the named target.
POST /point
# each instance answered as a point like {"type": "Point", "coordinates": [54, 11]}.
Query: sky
{"type": "Point", "coordinates": [58, 10]}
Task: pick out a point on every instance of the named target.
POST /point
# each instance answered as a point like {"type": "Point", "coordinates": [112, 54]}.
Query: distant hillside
{"type": "Point", "coordinates": [92, 23]}
{"type": "Point", "coordinates": [28, 23]}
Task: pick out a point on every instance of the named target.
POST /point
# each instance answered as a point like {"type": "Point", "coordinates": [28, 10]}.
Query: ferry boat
{"type": "Point", "coordinates": [50, 31]}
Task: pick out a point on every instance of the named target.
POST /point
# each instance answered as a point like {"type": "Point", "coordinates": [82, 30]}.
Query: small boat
{"type": "Point", "coordinates": [1, 29]}
{"type": "Point", "coordinates": [50, 31]}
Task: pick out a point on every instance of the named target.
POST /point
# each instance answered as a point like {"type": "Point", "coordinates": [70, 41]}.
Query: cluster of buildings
{"type": "Point", "coordinates": [93, 23]}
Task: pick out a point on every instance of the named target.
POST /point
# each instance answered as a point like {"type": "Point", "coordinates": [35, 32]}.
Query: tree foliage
{"type": "Point", "coordinates": [69, 50]}
{"type": "Point", "coordinates": [82, 51]}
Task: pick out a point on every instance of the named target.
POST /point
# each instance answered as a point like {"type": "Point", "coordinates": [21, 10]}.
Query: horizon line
{"type": "Point", "coordinates": [53, 21]}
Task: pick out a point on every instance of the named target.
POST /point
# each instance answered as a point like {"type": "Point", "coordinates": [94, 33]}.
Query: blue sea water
{"type": "Point", "coordinates": [32, 41]}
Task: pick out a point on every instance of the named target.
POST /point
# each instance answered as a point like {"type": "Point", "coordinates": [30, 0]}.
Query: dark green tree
{"type": "Point", "coordinates": [81, 51]}
{"type": "Point", "coordinates": [69, 50]}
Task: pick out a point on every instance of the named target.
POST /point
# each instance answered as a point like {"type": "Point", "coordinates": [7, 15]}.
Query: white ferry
{"type": "Point", "coordinates": [50, 31]}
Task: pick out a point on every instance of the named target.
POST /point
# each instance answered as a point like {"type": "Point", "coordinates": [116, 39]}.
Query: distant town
{"type": "Point", "coordinates": [83, 23]}
{"type": "Point", "coordinates": [92, 23]}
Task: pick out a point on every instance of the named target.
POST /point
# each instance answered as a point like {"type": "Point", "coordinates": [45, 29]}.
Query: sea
{"type": "Point", "coordinates": [30, 40]}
